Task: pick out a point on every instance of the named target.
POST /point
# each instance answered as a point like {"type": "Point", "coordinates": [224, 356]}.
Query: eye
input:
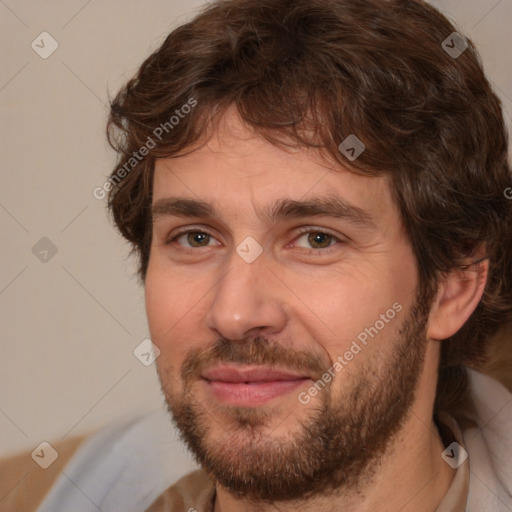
{"type": "Point", "coordinates": [194, 239]}
{"type": "Point", "coordinates": [316, 239]}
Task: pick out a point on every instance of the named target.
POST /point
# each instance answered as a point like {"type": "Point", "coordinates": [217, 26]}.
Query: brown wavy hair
{"type": "Point", "coordinates": [308, 73]}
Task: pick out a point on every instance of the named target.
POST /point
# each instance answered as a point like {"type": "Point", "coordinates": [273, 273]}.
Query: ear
{"type": "Point", "coordinates": [458, 296]}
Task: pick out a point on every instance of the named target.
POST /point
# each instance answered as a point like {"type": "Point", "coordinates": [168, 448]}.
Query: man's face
{"type": "Point", "coordinates": [255, 301]}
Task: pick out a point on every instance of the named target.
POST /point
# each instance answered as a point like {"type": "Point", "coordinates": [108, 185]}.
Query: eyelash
{"type": "Point", "coordinates": [302, 231]}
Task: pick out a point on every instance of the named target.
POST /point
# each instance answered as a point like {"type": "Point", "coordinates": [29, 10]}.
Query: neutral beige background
{"type": "Point", "coordinates": [69, 326]}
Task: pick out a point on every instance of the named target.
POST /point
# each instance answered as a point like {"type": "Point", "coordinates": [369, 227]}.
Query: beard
{"type": "Point", "coordinates": [339, 444]}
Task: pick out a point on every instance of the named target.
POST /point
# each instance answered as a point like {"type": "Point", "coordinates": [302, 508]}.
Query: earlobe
{"type": "Point", "coordinates": [458, 296]}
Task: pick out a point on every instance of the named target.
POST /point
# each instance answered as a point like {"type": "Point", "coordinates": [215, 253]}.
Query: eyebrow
{"type": "Point", "coordinates": [329, 206]}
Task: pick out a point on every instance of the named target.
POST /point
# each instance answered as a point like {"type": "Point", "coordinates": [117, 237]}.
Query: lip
{"type": "Point", "coordinates": [250, 386]}
{"type": "Point", "coordinates": [237, 374]}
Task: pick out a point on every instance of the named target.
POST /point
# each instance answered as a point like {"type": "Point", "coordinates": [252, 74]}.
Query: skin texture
{"type": "Point", "coordinates": [299, 306]}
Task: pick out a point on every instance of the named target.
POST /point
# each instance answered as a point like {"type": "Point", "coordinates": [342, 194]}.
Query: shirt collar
{"type": "Point", "coordinates": [456, 497]}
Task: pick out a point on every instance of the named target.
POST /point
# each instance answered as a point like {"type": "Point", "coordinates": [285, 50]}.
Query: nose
{"type": "Point", "coordinates": [246, 301]}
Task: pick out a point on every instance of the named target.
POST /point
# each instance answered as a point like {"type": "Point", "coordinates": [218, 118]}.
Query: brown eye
{"type": "Point", "coordinates": [193, 239]}
{"type": "Point", "coordinates": [319, 240]}
{"type": "Point", "coordinates": [198, 239]}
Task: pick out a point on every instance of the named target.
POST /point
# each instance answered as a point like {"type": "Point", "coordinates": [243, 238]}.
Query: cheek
{"type": "Point", "coordinates": [361, 303]}
{"type": "Point", "coordinates": [340, 298]}
{"type": "Point", "coordinates": [167, 300]}
{"type": "Point", "coordinates": [165, 306]}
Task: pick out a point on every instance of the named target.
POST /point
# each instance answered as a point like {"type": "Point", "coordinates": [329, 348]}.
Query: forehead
{"type": "Point", "coordinates": [237, 169]}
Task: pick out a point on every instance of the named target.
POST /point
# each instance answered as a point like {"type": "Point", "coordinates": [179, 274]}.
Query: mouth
{"type": "Point", "coordinates": [250, 386]}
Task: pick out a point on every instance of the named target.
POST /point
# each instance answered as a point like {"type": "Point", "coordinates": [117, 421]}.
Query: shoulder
{"type": "Point", "coordinates": [122, 466]}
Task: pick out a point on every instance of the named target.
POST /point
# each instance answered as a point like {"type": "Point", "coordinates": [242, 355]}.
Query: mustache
{"type": "Point", "coordinates": [251, 351]}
